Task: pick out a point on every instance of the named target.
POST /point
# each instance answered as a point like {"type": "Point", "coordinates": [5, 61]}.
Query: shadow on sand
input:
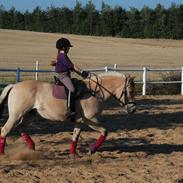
{"type": "Point", "coordinates": [139, 145]}
{"type": "Point", "coordinates": [143, 119]}
{"type": "Point", "coordinates": [114, 122]}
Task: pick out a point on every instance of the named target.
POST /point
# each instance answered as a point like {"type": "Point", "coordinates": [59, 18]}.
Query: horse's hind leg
{"type": "Point", "coordinates": [95, 125]}
{"type": "Point", "coordinates": [12, 120]}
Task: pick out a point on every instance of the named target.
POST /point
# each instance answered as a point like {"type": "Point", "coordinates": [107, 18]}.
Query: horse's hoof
{"type": "Point", "coordinates": [32, 147]}
{"type": "Point", "coordinates": [92, 149]}
{"type": "Point", "coordinates": [1, 152]}
{"type": "Point", "coordinates": [90, 152]}
{"type": "Point", "coordinates": [74, 156]}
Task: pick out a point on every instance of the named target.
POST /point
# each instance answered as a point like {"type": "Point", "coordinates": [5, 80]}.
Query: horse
{"type": "Point", "coordinates": [24, 97]}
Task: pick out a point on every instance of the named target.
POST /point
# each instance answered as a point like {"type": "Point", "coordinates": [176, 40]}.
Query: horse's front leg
{"type": "Point", "coordinates": [23, 125]}
{"type": "Point", "coordinates": [95, 125]}
{"type": "Point", "coordinates": [75, 137]}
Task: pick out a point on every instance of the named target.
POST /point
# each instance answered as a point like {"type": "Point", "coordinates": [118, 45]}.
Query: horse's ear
{"type": "Point", "coordinates": [132, 78]}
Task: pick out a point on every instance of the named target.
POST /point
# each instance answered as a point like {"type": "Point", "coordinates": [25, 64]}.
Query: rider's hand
{"type": "Point", "coordinates": [53, 63]}
{"type": "Point", "coordinates": [84, 74]}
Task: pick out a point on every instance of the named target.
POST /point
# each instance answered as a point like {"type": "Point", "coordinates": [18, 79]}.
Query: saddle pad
{"type": "Point", "coordinates": [59, 92]}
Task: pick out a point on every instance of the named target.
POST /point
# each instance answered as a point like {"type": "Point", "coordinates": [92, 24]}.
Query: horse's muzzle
{"type": "Point", "coordinates": [130, 107]}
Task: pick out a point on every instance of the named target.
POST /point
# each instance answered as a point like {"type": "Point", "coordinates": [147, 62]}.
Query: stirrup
{"type": "Point", "coordinates": [70, 114]}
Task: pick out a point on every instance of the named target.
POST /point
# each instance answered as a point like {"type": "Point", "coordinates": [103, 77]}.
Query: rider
{"type": "Point", "coordinates": [63, 67]}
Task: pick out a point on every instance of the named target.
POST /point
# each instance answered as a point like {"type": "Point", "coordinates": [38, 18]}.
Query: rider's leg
{"type": "Point", "coordinates": [71, 96]}
{"type": "Point", "coordinates": [70, 104]}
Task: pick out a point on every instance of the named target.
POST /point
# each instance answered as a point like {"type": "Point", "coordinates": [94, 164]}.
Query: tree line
{"type": "Point", "coordinates": [87, 20]}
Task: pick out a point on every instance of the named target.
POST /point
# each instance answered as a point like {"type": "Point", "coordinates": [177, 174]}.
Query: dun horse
{"type": "Point", "coordinates": [25, 96]}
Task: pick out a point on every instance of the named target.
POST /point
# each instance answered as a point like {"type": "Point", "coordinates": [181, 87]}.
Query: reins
{"type": "Point", "coordinates": [114, 96]}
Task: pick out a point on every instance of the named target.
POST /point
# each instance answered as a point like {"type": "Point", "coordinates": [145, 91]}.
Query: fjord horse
{"type": "Point", "coordinates": [25, 96]}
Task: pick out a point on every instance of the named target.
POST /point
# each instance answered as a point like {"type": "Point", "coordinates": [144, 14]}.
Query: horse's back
{"type": "Point", "coordinates": [24, 93]}
{"type": "Point", "coordinates": [31, 83]}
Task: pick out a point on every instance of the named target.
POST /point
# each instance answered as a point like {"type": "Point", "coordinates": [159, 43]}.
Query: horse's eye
{"type": "Point", "coordinates": [131, 92]}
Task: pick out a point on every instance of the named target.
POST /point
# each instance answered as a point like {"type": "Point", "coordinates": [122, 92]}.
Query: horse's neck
{"type": "Point", "coordinates": [105, 87]}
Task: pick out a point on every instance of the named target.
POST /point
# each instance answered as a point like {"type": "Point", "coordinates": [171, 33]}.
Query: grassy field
{"type": "Point", "coordinates": [23, 48]}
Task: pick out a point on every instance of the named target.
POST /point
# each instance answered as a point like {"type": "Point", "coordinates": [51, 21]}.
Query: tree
{"type": "Point", "coordinates": [144, 23]}
{"type": "Point", "coordinates": [106, 24]}
{"type": "Point", "coordinates": [159, 26]}
{"type": "Point", "coordinates": [52, 19]}
{"type": "Point", "coordinates": [147, 21]}
{"type": "Point", "coordinates": [17, 19]}
{"type": "Point", "coordinates": [135, 23]}
{"type": "Point", "coordinates": [91, 19]}
{"type": "Point", "coordinates": [65, 20]}
{"type": "Point", "coordinates": [175, 22]}
{"type": "Point", "coordinates": [28, 20]}
{"type": "Point", "coordinates": [2, 10]}
{"type": "Point", "coordinates": [78, 19]}
{"type": "Point", "coordinates": [180, 22]}
{"type": "Point", "coordinates": [37, 16]}
{"type": "Point", "coordinates": [119, 20]}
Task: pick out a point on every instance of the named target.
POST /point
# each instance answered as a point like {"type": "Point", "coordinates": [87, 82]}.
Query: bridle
{"type": "Point", "coordinates": [124, 91]}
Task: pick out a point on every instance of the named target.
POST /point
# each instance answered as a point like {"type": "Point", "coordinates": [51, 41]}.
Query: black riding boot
{"type": "Point", "coordinates": [70, 105]}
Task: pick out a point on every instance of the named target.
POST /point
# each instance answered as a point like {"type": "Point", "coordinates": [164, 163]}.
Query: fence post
{"type": "Point", "coordinates": [37, 68]}
{"type": "Point", "coordinates": [144, 81]}
{"type": "Point", "coordinates": [106, 69]}
{"type": "Point", "coordinates": [115, 67]}
{"type": "Point", "coordinates": [17, 75]}
{"type": "Point", "coordinates": [182, 81]}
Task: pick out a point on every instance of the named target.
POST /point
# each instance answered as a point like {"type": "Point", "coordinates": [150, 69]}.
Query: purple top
{"type": "Point", "coordinates": [63, 64]}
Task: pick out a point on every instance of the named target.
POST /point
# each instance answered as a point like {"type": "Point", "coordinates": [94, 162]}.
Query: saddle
{"type": "Point", "coordinates": [60, 91]}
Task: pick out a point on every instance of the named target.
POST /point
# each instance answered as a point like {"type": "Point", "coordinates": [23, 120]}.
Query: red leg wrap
{"type": "Point", "coordinates": [2, 144]}
{"type": "Point", "coordinates": [97, 144]}
{"type": "Point", "coordinates": [73, 147]}
{"type": "Point", "coordinates": [29, 142]}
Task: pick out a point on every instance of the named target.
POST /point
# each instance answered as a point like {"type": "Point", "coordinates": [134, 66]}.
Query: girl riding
{"type": "Point", "coordinates": [63, 68]}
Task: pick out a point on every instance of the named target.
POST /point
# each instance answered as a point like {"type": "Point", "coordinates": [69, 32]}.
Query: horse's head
{"type": "Point", "coordinates": [126, 97]}
{"type": "Point", "coordinates": [116, 85]}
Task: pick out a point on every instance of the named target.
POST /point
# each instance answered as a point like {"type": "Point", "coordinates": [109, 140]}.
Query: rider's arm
{"type": "Point", "coordinates": [81, 72]}
{"type": "Point", "coordinates": [53, 62]}
{"type": "Point", "coordinates": [77, 69]}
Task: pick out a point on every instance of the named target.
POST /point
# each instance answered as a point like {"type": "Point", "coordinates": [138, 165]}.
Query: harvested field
{"type": "Point", "coordinates": [23, 48]}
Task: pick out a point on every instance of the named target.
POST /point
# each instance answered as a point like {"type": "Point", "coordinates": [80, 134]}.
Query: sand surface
{"type": "Point", "coordinates": [145, 147]}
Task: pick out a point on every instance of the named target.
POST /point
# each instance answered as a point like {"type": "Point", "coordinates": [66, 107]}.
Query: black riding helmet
{"type": "Point", "coordinates": [63, 43]}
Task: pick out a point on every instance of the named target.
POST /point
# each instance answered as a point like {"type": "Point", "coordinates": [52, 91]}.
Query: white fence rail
{"type": "Point", "coordinates": [144, 71]}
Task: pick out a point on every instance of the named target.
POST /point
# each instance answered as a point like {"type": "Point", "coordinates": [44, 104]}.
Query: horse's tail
{"type": "Point", "coordinates": [4, 96]}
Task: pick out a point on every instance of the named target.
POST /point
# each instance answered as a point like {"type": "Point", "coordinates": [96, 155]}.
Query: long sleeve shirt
{"type": "Point", "coordinates": [63, 63]}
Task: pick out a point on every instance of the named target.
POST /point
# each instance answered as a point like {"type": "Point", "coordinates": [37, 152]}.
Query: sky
{"type": "Point", "coordinates": [23, 5]}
